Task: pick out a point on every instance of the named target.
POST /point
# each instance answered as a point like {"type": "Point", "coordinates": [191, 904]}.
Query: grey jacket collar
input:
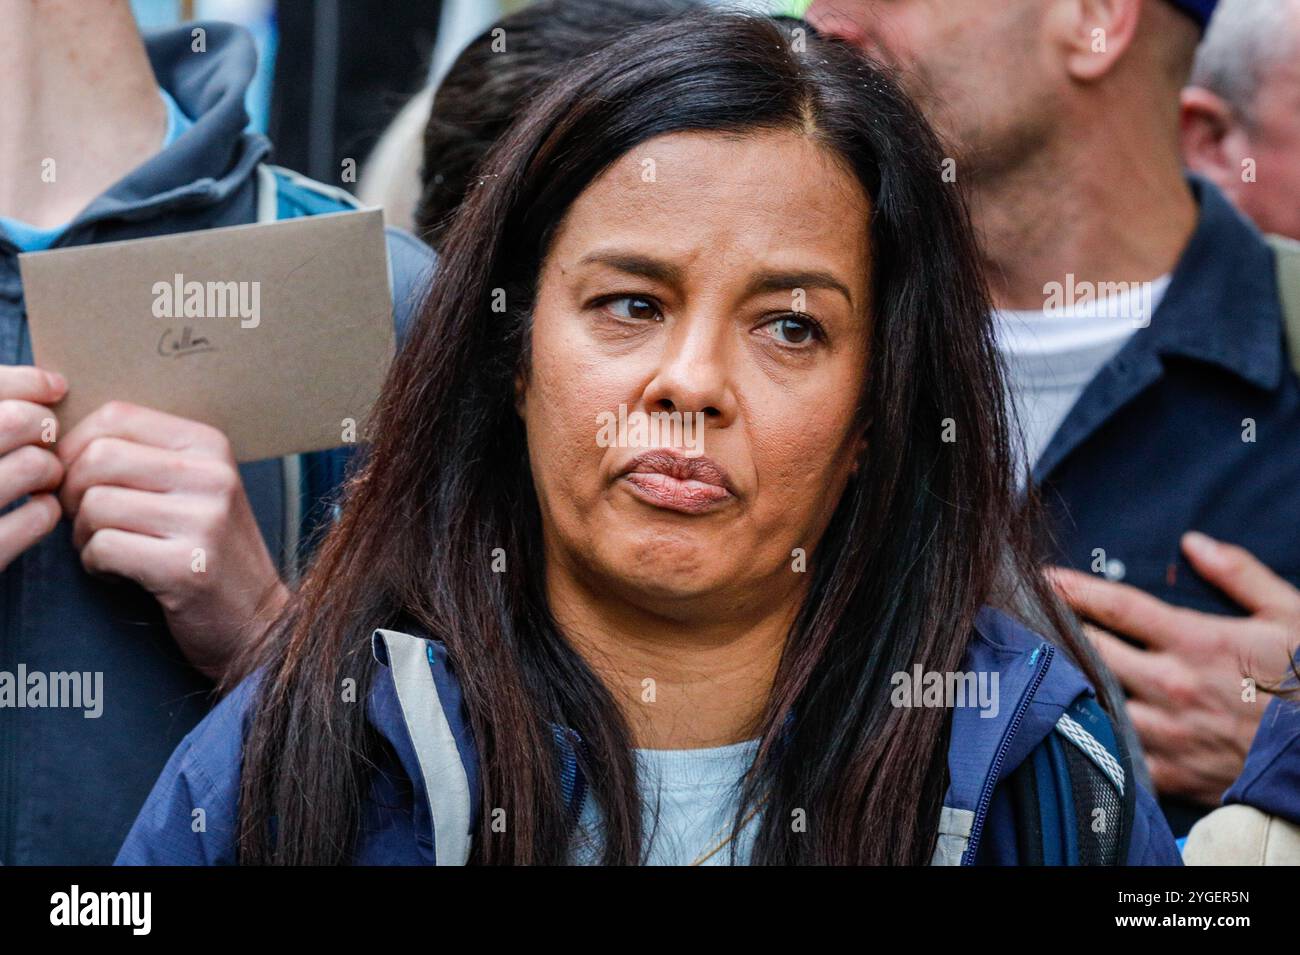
{"type": "Point", "coordinates": [213, 158]}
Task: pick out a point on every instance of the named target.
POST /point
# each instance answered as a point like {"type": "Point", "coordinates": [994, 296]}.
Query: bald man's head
{"type": "Point", "coordinates": [1002, 80]}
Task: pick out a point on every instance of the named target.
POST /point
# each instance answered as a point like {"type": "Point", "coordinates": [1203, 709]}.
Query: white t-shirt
{"type": "Point", "coordinates": [1052, 353]}
{"type": "Point", "coordinates": [695, 793]}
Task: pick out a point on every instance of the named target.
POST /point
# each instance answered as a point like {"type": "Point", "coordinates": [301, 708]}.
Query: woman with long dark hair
{"type": "Point", "coordinates": [686, 505]}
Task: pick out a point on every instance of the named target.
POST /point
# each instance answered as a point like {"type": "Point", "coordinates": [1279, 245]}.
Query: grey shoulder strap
{"type": "Point", "coordinates": [954, 836]}
{"type": "Point", "coordinates": [1288, 283]}
{"type": "Point", "coordinates": [445, 780]}
{"type": "Point", "coordinates": [1091, 747]}
{"type": "Point", "coordinates": [268, 208]}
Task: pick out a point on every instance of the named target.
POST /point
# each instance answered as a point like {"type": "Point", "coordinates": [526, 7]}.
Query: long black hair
{"type": "Point", "coordinates": [490, 82]}
{"type": "Point", "coordinates": [919, 541]}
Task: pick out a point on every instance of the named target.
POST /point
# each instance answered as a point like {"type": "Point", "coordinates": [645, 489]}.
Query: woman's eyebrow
{"type": "Point", "coordinates": [635, 264]}
{"type": "Point", "coordinates": [802, 278]}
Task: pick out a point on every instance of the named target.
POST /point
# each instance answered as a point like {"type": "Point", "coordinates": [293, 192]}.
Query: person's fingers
{"type": "Point", "coordinates": [1168, 777]}
{"type": "Point", "coordinates": [1156, 728]}
{"type": "Point", "coordinates": [1138, 671]}
{"type": "Point", "coordinates": [138, 557]}
{"type": "Point", "coordinates": [25, 525]}
{"type": "Point", "coordinates": [1176, 777]}
{"type": "Point", "coordinates": [126, 509]}
{"type": "Point", "coordinates": [23, 422]}
{"type": "Point", "coordinates": [121, 419]}
{"type": "Point", "coordinates": [122, 463]}
{"type": "Point", "coordinates": [1240, 575]}
{"type": "Point", "coordinates": [1121, 608]}
{"type": "Point", "coordinates": [29, 383]}
{"type": "Point", "coordinates": [28, 470]}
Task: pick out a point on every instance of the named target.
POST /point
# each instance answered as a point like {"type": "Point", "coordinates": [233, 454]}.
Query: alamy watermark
{"type": "Point", "coordinates": [929, 688]}
{"type": "Point", "coordinates": [179, 299]}
{"type": "Point", "coordinates": [1132, 301]}
{"type": "Point", "coordinates": [34, 689]}
{"type": "Point", "coordinates": [75, 907]}
{"type": "Point", "coordinates": [652, 429]}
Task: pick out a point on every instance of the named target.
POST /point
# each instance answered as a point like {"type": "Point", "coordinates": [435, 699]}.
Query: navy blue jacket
{"type": "Point", "coordinates": [1160, 441]}
{"type": "Point", "coordinates": [423, 809]}
{"type": "Point", "coordinates": [1270, 781]}
{"type": "Point", "coordinates": [70, 786]}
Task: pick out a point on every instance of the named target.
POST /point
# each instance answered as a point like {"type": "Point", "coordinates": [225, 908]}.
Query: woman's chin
{"type": "Point", "coordinates": [676, 589]}
{"type": "Point", "coordinates": [673, 571]}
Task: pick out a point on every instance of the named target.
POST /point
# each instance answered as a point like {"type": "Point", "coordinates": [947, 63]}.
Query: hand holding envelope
{"type": "Point", "coordinates": [278, 335]}
{"type": "Point", "coordinates": [188, 353]}
{"type": "Point", "coordinates": [158, 499]}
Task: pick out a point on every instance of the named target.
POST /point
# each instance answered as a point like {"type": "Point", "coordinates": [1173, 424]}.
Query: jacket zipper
{"type": "Point", "coordinates": [986, 795]}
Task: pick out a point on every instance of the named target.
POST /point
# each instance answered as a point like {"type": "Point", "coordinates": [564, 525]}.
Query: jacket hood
{"type": "Point", "coordinates": [1035, 685]}
{"type": "Point", "coordinates": [217, 155]}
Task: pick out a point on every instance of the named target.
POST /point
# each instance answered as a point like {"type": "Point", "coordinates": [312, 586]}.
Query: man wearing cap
{"type": "Point", "coordinates": [1139, 316]}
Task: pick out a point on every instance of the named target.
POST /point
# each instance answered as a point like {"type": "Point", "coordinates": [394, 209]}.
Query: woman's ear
{"type": "Point", "coordinates": [860, 448]}
{"type": "Point", "coordinates": [521, 393]}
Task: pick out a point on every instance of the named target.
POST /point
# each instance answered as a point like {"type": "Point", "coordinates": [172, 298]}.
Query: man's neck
{"type": "Point", "coordinates": [682, 681]}
{"type": "Point", "coordinates": [1108, 205]}
{"type": "Point", "coordinates": [82, 109]}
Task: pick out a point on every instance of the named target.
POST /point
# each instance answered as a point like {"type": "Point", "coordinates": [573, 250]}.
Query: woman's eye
{"type": "Point", "coordinates": [633, 308]}
{"type": "Point", "coordinates": [792, 330]}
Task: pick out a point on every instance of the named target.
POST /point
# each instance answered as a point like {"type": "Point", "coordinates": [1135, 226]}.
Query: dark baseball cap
{"type": "Point", "coordinates": [1198, 10]}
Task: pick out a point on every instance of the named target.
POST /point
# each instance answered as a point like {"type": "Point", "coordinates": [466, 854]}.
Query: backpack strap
{"type": "Point", "coordinates": [268, 194]}
{"type": "Point", "coordinates": [268, 210]}
{"type": "Point", "coordinates": [1073, 798]}
{"type": "Point", "coordinates": [1287, 253]}
{"type": "Point", "coordinates": [298, 195]}
{"type": "Point", "coordinates": [308, 478]}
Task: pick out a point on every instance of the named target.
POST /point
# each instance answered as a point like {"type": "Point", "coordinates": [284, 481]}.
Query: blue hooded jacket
{"type": "Point", "coordinates": [1270, 780]}
{"type": "Point", "coordinates": [70, 786]}
{"type": "Point", "coordinates": [423, 805]}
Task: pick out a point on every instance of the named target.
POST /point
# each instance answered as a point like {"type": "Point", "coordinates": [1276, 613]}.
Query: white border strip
{"type": "Point", "coordinates": [445, 781]}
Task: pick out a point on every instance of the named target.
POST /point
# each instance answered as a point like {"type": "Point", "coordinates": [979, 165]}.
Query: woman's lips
{"type": "Point", "coordinates": [675, 482]}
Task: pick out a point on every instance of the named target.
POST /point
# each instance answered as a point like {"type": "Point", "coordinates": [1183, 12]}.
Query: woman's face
{"type": "Point", "coordinates": [702, 279]}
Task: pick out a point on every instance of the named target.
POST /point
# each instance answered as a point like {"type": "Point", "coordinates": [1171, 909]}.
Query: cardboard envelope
{"type": "Point", "coordinates": [279, 334]}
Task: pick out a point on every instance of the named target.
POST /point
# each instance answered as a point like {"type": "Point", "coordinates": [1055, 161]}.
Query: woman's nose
{"type": "Point", "coordinates": [694, 372]}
